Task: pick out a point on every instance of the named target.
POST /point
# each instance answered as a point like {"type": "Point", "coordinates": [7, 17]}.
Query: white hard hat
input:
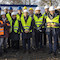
{"type": "Point", "coordinates": [58, 7]}
{"type": "Point", "coordinates": [5, 8]}
{"type": "Point", "coordinates": [37, 8]}
{"type": "Point", "coordinates": [51, 8]}
{"type": "Point", "coordinates": [25, 11]}
{"type": "Point", "coordinates": [46, 7]}
{"type": "Point", "coordinates": [3, 13]}
{"type": "Point", "coordinates": [13, 13]}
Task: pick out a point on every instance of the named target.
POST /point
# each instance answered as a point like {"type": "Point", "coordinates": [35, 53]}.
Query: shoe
{"type": "Point", "coordinates": [36, 49]}
{"type": "Point", "coordinates": [0, 54]}
{"type": "Point", "coordinates": [50, 52]}
{"type": "Point", "coordinates": [29, 51]}
{"type": "Point", "coordinates": [24, 51]}
{"type": "Point", "coordinates": [5, 50]}
{"type": "Point", "coordinates": [55, 54]}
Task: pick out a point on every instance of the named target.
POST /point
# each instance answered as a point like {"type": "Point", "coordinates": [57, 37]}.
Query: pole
{"type": "Point", "coordinates": [29, 2]}
{"type": "Point", "coordinates": [25, 2]}
{"type": "Point", "coordinates": [51, 2]}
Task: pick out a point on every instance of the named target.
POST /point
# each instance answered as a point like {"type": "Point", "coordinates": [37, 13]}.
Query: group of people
{"type": "Point", "coordinates": [31, 24]}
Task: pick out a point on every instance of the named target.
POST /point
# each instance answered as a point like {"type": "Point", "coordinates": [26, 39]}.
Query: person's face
{"type": "Point", "coordinates": [19, 11]}
{"type": "Point", "coordinates": [10, 11]}
{"type": "Point", "coordinates": [3, 16]}
{"type": "Point", "coordinates": [46, 10]}
{"type": "Point", "coordinates": [31, 11]}
{"type": "Point", "coordinates": [52, 12]}
{"type": "Point", "coordinates": [5, 10]}
{"type": "Point", "coordinates": [14, 16]}
{"type": "Point", "coordinates": [25, 14]}
{"type": "Point", "coordinates": [37, 11]}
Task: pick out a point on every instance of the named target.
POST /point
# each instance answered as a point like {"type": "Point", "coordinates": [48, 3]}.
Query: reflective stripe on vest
{"type": "Point", "coordinates": [56, 20]}
{"type": "Point", "coordinates": [38, 21]}
{"type": "Point", "coordinates": [16, 26]}
{"type": "Point", "coordinates": [1, 29]}
{"type": "Point", "coordinates": [27, 24]}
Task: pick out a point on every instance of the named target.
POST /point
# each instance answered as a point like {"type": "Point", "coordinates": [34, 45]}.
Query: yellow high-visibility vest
{"type": "Point", "coordinates": [26, 25]}
{"type": "Point", "coordinates": [55, 20]}
{"type": "Point", "coordinates": [38, 21]}
{"type": "Point", "coordinates": [18, 17]}
{"type": "Point", "coordinates": [8, 17]}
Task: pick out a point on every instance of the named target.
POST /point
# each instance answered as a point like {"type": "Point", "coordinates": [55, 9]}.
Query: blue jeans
{"type": "Point", "coordinates": [26, 39]}
{"type": "Point", "coordinates": [38, 39]}
{"type": "Point", "coordinates": [53, 33]}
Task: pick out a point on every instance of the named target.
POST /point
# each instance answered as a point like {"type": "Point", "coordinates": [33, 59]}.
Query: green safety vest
{"type": "Point", "coordinates": [18, 17]}
{"type": "Point", "coordinates": [56, 20]}
{"type": "Point", "coordinates": [44, 14]}
{"type": "Point", "coordinates": [16, 26]}
{"type": "Point", "coordinates": [8, 17]}
{"type": "Point", "coordinates": [26, 25]}
{"type": "Point", "coordinates": [38, 21]}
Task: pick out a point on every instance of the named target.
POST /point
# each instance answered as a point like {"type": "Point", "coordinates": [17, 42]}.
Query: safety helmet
{"type": "Point", "coordinates": [13, 13]}
{"type": "Point", "coordinates": [46, 7]}
{"type": "Point", "coordinates": [51, 8]}
{"type": "Point", "coordinates": [10, 8]}
{"type": "Point", "coordinates": [58, 7]}
{"type": "Point", "coordinates": [30, 9]}
{"type": "Point", "coordinates": [0, 8]}
{"type": "Point", "coordinates": [19, 8]}
{"type": "Point", "coordinates": [24, 7]}
{"type": "Point", "coordinates": [37, 8]}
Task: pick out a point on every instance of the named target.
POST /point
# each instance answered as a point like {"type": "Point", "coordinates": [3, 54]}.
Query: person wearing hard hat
{"type": "Point", "coordinates": [19, 14]}
{"type": "Point", "coordinates": [4, 25]}
{"type": "Point", "coordinates": [24, 8]}
{"type": "Point", "coordinates": [10, 10]}
{"type": "Point", "coordinates": [14, 31]}
{"type": "Point", "coordinates": [31, 13]}
{"type": "Point", "coordinates": [52, 21]}
{"type": "Point", "coordinates": [26, 25]}
{"type": "Point", "coordinates": [46, 10]}
{"type": "Point", "coordinates": [39, 22]}
{"type": "Point", "coordinates": [6, 10]}
{"type": "Point", "coordinates": [8, 16]}
{"type": "Point", "coordinates": [44, 29]}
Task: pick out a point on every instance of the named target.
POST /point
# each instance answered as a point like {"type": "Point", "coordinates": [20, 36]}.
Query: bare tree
{"type": "Point", "coordinates": [29, 2]}
{"type": "Point", "coordinates": [49, 2]}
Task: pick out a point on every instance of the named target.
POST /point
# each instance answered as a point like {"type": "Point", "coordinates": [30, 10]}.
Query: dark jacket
{"type": "Point", "coordinates": [13, 35]}
{"type": "Point", "coordinates": [6, 26]}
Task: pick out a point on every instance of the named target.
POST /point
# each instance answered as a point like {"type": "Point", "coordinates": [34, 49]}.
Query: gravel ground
{"type": "Point", "coordinates": [42, 54]}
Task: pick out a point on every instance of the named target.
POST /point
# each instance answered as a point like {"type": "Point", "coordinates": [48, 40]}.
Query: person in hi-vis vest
{"type": "Point", "coordinates": [26, 26]}
{"type": "Point", "coordinates": [8, 16]}
{"type": "Point", "coordinates": [52, 21]}
{"type": "Point", "coordinates": [14, 31]}
{"type": "Point", "coordinates": [4, 26]}
{"type": "Point", "coordinates": [39, 23]}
